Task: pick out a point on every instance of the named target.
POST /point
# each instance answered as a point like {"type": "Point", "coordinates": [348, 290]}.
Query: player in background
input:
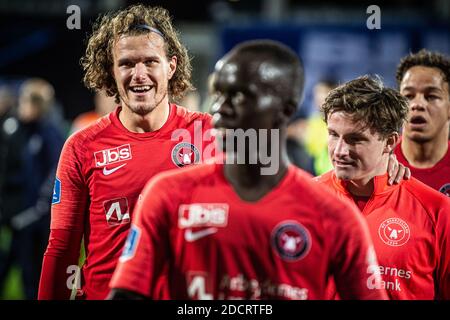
{"type": "Point", "coordinates": [134, 55]}
{"type": "Point", "coordinates": [103, 105]}
{"type": "Point", "coordinates": [409, 222]}
{"type": "Point", "coordinates": [424, 78]}
{"type": "Point", "coordinates": [252, 229]}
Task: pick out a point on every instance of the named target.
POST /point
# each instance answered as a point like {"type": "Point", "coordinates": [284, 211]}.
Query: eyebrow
{"type": "Point", "coordinates": [429, 88]}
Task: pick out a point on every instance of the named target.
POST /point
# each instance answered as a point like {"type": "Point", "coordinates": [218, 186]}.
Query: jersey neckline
{"type": "Point", "coordinates": [167, 126]}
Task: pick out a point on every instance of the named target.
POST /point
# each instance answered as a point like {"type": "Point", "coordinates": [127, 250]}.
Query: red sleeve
{"type": "Point", "coordinates": [69, 205]}
{"type": "Point", "coordinates": [443, 239]}
{"type": "Point", "coordinates": [143, 266]}
{"type": "Point", "coordinates": [59, 264]}
{"type": "Point", "coordinates": [354, 263]}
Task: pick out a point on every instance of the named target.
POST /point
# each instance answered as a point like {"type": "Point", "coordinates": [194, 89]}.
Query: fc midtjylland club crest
{"type": "Point", "coordinates": [394, 232]}
{"type": "Point", "coordinates": [445, 189]}
{"type": "Point", "coordinates": [185, 153]}
{"type": "Point", "coordinates": [291, 240]}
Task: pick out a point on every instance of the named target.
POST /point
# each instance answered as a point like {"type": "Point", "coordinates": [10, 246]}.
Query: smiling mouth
{"type": "Point", "coordinates": [140, 89]}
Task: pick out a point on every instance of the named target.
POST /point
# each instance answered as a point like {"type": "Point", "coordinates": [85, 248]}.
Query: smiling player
{"type": "Point", "coordinates": [136, 56]}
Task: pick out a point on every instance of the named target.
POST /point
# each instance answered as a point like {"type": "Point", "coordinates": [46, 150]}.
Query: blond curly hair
{"type": "Point", "coordinates": [98, 59]}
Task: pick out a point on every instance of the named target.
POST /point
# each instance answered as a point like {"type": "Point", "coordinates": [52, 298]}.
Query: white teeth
{"type": "Point", "coordinates": [140, 88]}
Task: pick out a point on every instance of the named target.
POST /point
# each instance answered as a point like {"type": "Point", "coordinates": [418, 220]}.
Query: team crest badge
{"type": "Point", "coordinates": [445, 189]}
{"type": "Point", "coordinates": [394, 232]}
{"type": "Point", "coordinates": [291, 241]}
{"type": "Point", "coordinates": [185, 153]}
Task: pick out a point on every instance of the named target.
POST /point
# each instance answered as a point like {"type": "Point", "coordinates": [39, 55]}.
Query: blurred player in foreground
{"type": "Point", "coordinates": [424, 79]}
{"type": "Point", "coordinates": [136, 56]}
{"type": "Point", "coordinates": [409, 222]}
{"type": "Point", "coordinates": [249, 228]}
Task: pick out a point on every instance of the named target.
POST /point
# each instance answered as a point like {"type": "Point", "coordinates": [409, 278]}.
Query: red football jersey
{"type": "Point", "coordinates": [410, 227]}
{"type": "Point", "coordinates": [101, 172]}
{"type": "Point", "coordinates": [437, 177]}
{"type": "Point", "coordinates": [193, 237]}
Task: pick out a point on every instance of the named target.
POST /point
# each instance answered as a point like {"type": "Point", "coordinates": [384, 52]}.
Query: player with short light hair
{"type": "Point", "coordinates": [409, 222]}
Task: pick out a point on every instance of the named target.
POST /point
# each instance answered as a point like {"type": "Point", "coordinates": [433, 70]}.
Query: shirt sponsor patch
{"type": "Point", "coordinates": [291, 241]}
{"type": "Point", "coordinates": [131, 244]}
{"type": "Point", "coordinates": [56, 198]}
{"type": "Point", "coordinates": [202, 215]}
{"type": "Point", "coordinates": [113, 155]}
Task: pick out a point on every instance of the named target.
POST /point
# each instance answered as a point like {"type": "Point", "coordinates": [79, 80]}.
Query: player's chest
{"type": "Point", "coordinates": [287, 232]}
{"type": "Point", "coordinates": [132, 164]}
{"type": "Point", "coordinates": [402, 237]}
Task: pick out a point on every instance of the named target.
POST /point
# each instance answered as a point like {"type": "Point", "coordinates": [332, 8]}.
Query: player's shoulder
{"type": "Point", "coordinates": [318, 195]}
{"type": "Point", "coordinates": [326, 178]}
{"type": "Point", "coordinates": [189, 116]}
{"type": "Point", "coordinates": [90, 133]}
{"type": "Point", "coordinates": [429, 197]}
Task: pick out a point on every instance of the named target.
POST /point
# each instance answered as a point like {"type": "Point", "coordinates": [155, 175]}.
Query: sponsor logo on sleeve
{"type": "Point", "coordinates": [131, 244]}
{"type": "Point", "coordinates": [291, 241]}
{"type": "Point", "coordinates": [113, 155]}
{"type": "Point", "coordinates": [56, 198]}
{"type": "Point", "coordinates": [185, 153]}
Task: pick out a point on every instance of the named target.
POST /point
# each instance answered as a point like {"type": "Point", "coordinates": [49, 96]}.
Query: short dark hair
{"type": "Point", "coordinates": [427, 59]}
{"type": "Point", "coordinates": [285, 59]}
{"type": "Point", "coordinates": [366, 99]}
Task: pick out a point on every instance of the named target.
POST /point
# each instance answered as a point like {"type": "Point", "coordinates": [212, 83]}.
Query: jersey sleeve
{"type": "Point", "coordinates": [443, 243]}
{"type": "Point", "coordinates": [69, 201]}
{"type": "Point", "coordinates": [59, 265]}
{"type": "Point", "coordinates": [70, 194]}
{"type": "Point", "coordinates": [354, 263]}
{"type": "Point", "coordinates": [143, 265]}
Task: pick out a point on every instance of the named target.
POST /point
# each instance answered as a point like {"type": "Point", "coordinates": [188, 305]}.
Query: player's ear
{"type": "Point", "coordinates": [391, 141]}
{"type": "Point", "coordinates": [172, 66]}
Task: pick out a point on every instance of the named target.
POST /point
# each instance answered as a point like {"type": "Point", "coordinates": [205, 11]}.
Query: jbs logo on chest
{"type": "Point", "coordinates": [203, 215]}
{"type": "Point", "coordinates": [113, 155]}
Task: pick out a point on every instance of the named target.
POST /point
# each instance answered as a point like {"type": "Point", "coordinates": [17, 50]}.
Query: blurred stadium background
{"type": "Point", "coordinates": [331, 37]}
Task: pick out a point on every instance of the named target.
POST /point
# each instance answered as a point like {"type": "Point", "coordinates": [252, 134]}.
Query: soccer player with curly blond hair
{"type": "Point", "coordinates": [136, 56]}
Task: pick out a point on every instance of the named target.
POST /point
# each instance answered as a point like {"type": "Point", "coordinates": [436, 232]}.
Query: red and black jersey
{"type": "Point", "coordinates": [193, 237]}
{"type": "Point", "coordinates": [410, 228]}
{"type": "Point", "coordinates": [437, 177]}
{"type": "Point", "coordinates": [101, 172]}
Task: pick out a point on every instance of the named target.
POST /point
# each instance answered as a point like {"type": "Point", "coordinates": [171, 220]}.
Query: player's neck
{"type": "Point", "coordinates": [152, 121]}
{"type": "Point", "coordinates": [365, 185]}
{"type": "Point", "coordinates": [249, 181]}
{"type": "Point", "coordinates": [426, 154]}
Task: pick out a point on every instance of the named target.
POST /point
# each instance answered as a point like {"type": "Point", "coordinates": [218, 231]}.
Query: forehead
{"type": "Point", "coordinates": [420, 77]}
{"type": "Point", "coordinates": [246, 70]}
{"type": "Point", "coordinates": [343, 124]}
{"type": "Point", "coordinates": [146, 44]}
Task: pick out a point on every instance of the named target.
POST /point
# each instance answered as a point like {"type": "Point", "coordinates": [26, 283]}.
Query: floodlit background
{"type": "Point", "coordinates": [332, 39]}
